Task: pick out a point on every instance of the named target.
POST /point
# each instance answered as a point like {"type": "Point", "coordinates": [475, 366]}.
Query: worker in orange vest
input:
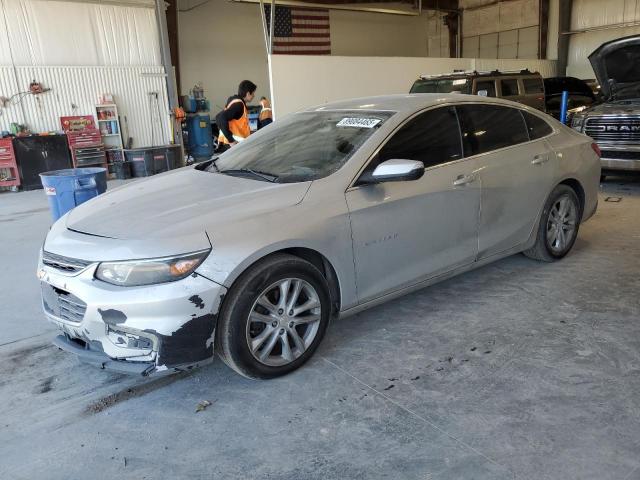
{"type": "Point", "coordinates": [233, 121]}
{"type": "Point", "coordinates": [266, 116]}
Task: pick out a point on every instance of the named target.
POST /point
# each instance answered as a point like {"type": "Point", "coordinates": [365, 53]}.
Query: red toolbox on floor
{"type": "Point", "coordinates": [9, 176]}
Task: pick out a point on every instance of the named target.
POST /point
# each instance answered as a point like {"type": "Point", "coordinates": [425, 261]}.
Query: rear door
{"type": "Point", "coordinates": [532, 89]}
{"type": "Point", "coordinates": [404, 232]}
{"type": "Point", "coordinates": [515, 172]}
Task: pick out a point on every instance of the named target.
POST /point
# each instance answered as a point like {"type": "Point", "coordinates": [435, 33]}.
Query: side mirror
{"type": "Point", "coordinates": [396, 170]}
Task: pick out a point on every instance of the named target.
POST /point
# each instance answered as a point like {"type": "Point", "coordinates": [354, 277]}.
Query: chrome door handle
{"type": "Point", "coordinates": [463, 180]}
{"type": "Point", "coordinates": [540, 159]}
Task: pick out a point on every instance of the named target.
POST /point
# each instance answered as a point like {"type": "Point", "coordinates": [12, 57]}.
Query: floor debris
{"type": "Point", "coordinates": [202, 405]}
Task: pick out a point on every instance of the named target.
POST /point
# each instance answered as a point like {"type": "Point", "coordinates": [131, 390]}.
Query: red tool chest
{"type": "Point", "coordinates": [85, 141]}
{"type": "Point", "coordinates": [9, 176]}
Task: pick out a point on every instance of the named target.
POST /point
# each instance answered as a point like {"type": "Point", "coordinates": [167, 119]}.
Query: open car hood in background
{"type": "Point", "coordinates": [617, 67]}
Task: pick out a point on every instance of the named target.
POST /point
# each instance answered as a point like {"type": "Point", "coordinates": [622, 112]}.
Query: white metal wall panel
{"type": "Point", "coordinates": [75, 91]}
{"type": "Point", "coordinates": [47, 32]}
{"type": "Point", "coordinates": [481, 21]}
{"type": "Point", "coordinates": [508, 44]}
{"type": "Point", "coordinates": [589, 14]}
{"type": "Point", "coordinates": [582, 44]}
{"type": "Point", "coordinates": [528, 39]}
{"type": "Point", "coordinates": [595, 13]}
{"type": "Point", "coordinates": [500, 17]}
{"type": "Point", "coordinates": [471, 47]}
{"type": "Point", "coordinates": [8, 85]}
{"type": "Point", "coordinates": [437, 36]}
{"type": "Point", "coordinates": [489, 45]}
{"type": "Point", "coordinates": [501, 30]}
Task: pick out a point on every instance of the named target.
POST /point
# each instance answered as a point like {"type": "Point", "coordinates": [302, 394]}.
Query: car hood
{"type": "Point", "coordinates": [623, 107]}
{"type": "Point", "coordinates": [180, 203]}
{"type": "Point", "coordinates": [617, 67]}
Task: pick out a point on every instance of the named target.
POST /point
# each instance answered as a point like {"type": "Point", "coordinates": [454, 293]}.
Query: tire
{"type": "Point", "coordinates": [548, 246]}
{"type": "Point", "coordinates": [252, 314]}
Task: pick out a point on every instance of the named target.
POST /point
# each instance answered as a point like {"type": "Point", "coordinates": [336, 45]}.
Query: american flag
{"type": "Point", "coordinates": [300, 31]}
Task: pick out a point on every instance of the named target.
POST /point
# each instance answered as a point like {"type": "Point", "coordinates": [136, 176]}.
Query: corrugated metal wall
{"type": "Point", "coordinates": [598, 22]}
{"type": "Point", "coordinates": [75, 91]}
{"type": "Point", "coordinates": [103, 49]}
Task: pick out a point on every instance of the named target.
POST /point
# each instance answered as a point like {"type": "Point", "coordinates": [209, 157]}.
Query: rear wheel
{"type": "Point", "coordinates": [558, 227]}
{"type": "Point", "coordinates": [274, 317]}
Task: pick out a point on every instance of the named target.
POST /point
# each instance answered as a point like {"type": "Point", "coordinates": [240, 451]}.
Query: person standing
{"type": "Point", "coordinates": [233, 121]}
{"type": "Point", "coordinates": [266, 117]}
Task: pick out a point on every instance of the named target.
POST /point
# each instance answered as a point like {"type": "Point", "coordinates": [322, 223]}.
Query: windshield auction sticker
{"type": "Point", "coordinates": [358, 122]}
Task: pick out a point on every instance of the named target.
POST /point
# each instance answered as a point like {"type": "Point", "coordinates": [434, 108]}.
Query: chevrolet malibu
{"type": "Point", "coordinates": [326, 212]}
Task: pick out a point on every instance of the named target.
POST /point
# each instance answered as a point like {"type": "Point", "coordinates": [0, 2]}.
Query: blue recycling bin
{"type": "Point", "coordinates": [65, 189]}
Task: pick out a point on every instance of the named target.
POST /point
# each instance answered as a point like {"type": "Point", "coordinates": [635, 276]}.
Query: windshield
{"type": "Point", "coordinates": [301, 147]}
{"type": "Point", "coordinates": [441, 85]}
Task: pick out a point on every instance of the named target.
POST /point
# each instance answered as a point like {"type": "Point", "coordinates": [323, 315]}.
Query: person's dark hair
{"type": "Point", "coordinates": [246, 86]}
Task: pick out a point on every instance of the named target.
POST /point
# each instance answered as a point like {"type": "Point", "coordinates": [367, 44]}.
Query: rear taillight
{"type": "Point", "coordinates": [596, 149]}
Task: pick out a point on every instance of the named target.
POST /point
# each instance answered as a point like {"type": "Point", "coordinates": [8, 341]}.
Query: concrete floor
{"type": "Point", "coordinates": [516, 370]}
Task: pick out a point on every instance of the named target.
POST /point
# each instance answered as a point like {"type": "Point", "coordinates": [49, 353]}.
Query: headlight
{"type": "Point", "coordinates": [147, 272]}
{"type": "Point", "coordinates": [577, 121]}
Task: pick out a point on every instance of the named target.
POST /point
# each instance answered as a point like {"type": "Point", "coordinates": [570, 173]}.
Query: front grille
{"type": "Point", "coordinates": [619, 130]}
{"type": "Point", "coordinates": [63, 304]}
{"type": "Point", "coordinates": [620, 154]}
{"type": "Point", "coordinates": [64, 264]}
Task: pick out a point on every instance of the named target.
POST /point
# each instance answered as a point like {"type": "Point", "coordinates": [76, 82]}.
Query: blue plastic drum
{"type": "Point", "coordinates": [69, 188]}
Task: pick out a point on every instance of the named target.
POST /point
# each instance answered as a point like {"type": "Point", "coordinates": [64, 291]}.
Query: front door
{"type": "Point", "coordinates": [407, 231]}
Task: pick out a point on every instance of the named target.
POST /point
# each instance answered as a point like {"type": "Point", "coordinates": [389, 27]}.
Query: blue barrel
{"type": "Point", "coordinates": [68, 188]}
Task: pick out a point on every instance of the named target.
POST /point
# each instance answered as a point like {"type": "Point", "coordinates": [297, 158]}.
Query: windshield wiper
{"type": "Point", "coordinates": [269, 177]}
{"type": "Point", "coordinates": [208, 163]}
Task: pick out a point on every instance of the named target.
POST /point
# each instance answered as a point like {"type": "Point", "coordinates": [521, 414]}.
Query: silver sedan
{"type": "Point", "coordinates": [324, 213]}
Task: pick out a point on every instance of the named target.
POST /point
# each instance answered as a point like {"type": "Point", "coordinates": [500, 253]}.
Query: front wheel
{"type": "Point", "coordinates": [558, 227]}
{"type": "Point", "coordinates": [274, 317]}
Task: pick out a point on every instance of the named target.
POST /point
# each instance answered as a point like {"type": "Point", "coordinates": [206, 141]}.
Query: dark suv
{"type": "Point", "coordinates": [581, 95]}
{"type": "Point", "coordinates": [522, 86]}
{"type": "Point", "coordinates": [615, 123]}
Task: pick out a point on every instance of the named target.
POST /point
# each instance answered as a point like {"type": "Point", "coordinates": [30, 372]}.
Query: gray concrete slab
{"type": "Point", "coordinates": [516, 370]}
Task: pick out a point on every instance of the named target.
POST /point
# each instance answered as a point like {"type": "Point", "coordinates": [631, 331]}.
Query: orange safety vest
{"type": "Point", "coordinates": [239, 128]}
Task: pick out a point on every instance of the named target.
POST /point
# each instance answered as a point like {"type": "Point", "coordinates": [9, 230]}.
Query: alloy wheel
{"type": "Point", "coordinates": [283, 322]}
{"type": "Point", "coordinates": [561, 223]}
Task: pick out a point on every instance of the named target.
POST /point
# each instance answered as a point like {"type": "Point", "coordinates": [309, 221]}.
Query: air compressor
{"type": "Point", "coordinates": [198, 124]}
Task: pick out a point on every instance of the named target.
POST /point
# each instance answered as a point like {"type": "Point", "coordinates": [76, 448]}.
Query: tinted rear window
{"type": "Point", "coordinates": [536, 126]}
{"type": "Point", "coordinates": [490, 127]}
{"type": "Point", "coordinates": [441, 85]}
{"type": "Point", "coordinates": [533, 85]}
{"type": "Point", "coordinates": [487, 85]}
{"type": "Point", "coordinates": [509, 87]}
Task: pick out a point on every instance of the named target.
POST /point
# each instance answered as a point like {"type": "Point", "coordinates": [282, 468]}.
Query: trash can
{"type": "Point", "coordinates": [146, 161]}
{"type": "Point", "coordinates": [122, 169]}
{"type": "Point", "coordinates": [68, 188]}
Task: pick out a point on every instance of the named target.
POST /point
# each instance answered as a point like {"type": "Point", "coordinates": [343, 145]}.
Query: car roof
{"type": "Point", "coordinates": [475, 73]}
{"type": "Point", "coordinates": [407, 102]}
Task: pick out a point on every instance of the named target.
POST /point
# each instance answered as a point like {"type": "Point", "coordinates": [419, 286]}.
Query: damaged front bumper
{"type": "Point", "coordinates": [140, 330]}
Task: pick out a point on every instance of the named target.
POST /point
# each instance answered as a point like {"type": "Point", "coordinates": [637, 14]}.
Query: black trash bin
{"type": "Point", "coordinates": [122, 170]}
{"type": "Point", "coordinates": [151, 160]}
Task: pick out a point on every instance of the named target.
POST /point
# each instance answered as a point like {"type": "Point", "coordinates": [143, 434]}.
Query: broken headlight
{"type": "Point", "coordinates": [147, 272]}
